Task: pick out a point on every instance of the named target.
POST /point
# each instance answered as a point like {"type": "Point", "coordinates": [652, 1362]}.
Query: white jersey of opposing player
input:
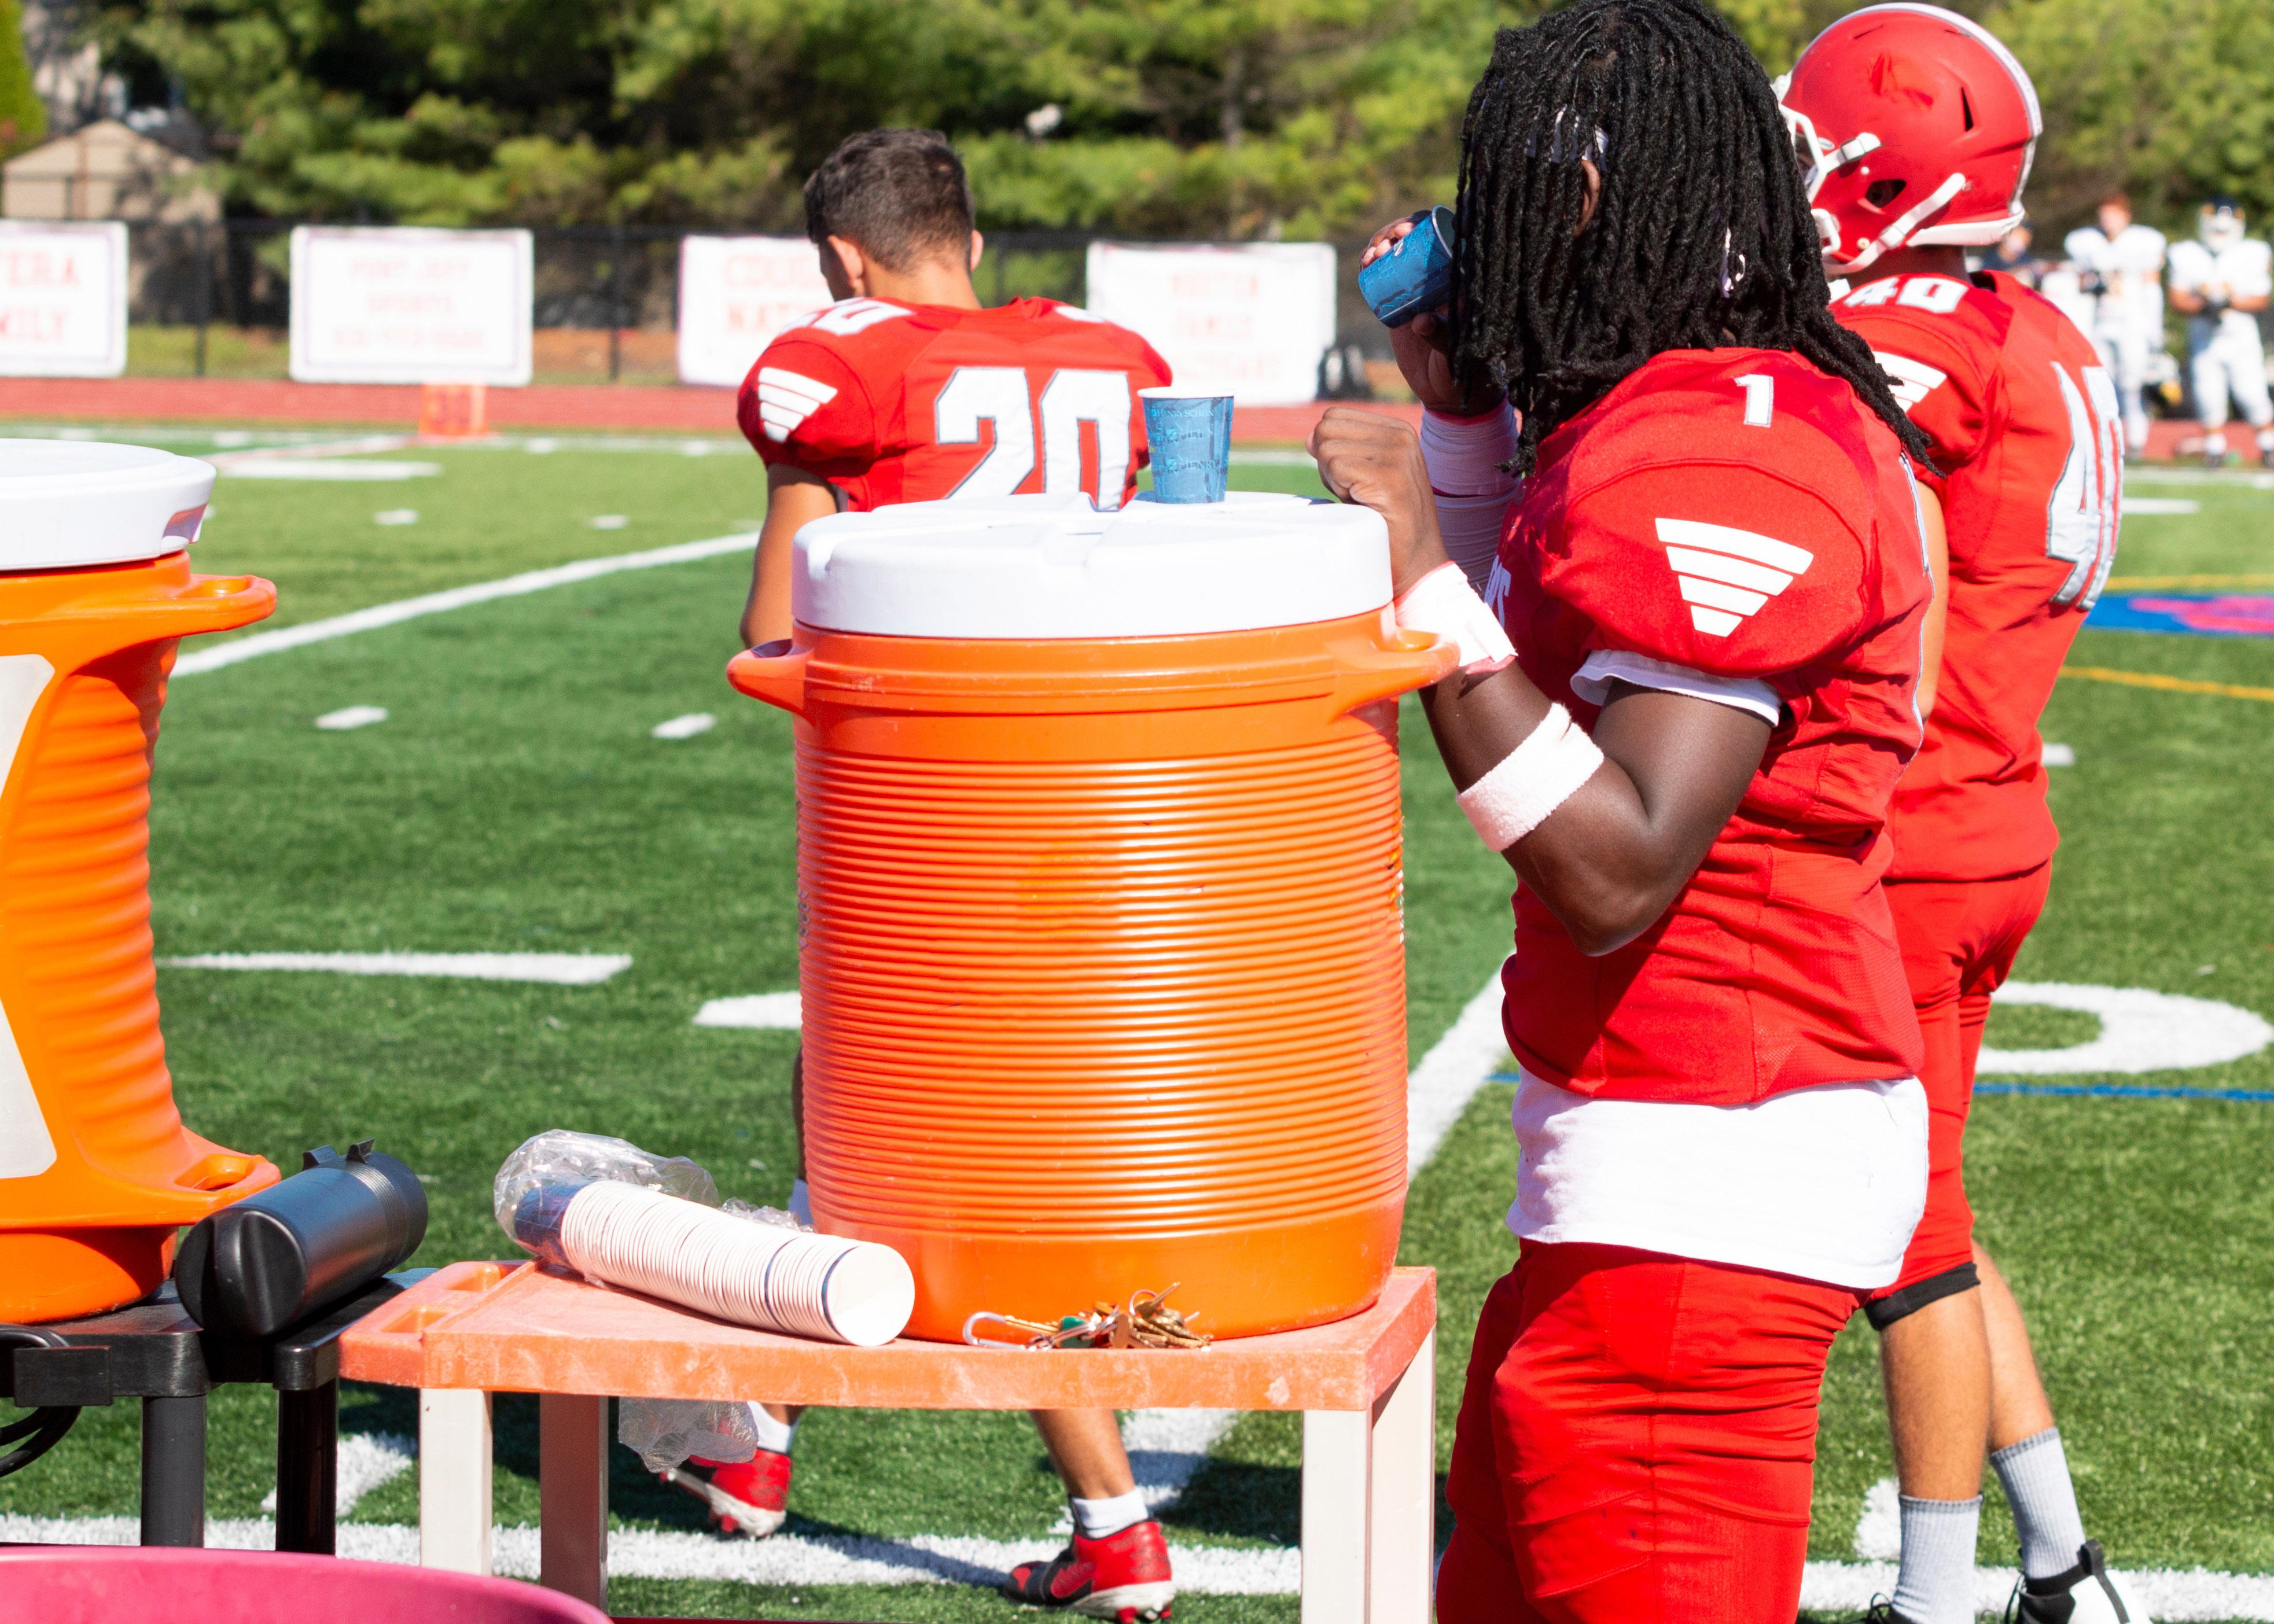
{"type": "Point", "coordinates": [2129, 267]}
{"type": "Point", "coordinates": [2239, 270]}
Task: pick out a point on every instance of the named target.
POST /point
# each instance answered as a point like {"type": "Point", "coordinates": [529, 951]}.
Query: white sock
{"type": "Point", "coordinates": [1935, 1584]}
{"type": "Point", "coordinates": [1100, 1519]}
{"type": "Point", "coordinates": [2215, 443]}
{"type": "Point", "coordinates": [2266, 440]}
{"type": "Point", "coordinates": [778, 1436]}
{"type": "Point", "coordinates": [2035, 1474]}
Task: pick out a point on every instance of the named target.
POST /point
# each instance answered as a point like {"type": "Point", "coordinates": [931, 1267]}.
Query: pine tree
{"type": "Point", "coordinates": [23, 116]}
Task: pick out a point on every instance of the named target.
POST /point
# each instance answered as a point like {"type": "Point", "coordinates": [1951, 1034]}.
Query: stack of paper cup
{"type": "Point", "coordinates": [767, 1276]}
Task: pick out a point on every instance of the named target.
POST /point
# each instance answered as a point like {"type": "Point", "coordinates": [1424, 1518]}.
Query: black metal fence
{"type": "Point", "coordinates": [214, 298]}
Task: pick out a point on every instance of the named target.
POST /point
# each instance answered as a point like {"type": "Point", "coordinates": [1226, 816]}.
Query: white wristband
{"type": "Point", "coordinates": [1444, 603]}
{"type": "Point", "coordinates": [1531, 780]}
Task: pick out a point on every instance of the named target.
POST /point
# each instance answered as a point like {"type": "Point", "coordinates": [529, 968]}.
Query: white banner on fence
{"type": "Point", "coordinates": [62, 299]}
{"type": "Point", "coordinates": [406, 304]}
{"type": "Point", "coordinates": [1250, 320]}
{"type": "Point", "coordinates": [735, 293]}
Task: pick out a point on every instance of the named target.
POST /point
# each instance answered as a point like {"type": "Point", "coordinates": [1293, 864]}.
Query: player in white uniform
{"type": "Point", "coordinates": [2222, 281]}
{"type": "Point", "coordinates": [2121, 265]}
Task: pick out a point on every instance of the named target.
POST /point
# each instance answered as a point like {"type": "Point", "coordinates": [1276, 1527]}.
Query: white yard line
{"type": "Point", "coordinates": [334, 470]}
{"type": "Point", "coordinates": [2185, 1596]}
{"type": "Point", "coordinates": [218, 655]}
{"type": "Point", "coordinates": [1451, 1074]}
{"type": "Point", "coordinates": [366, 1461]}
{"type": "Point", "coordinates": [557, 969]}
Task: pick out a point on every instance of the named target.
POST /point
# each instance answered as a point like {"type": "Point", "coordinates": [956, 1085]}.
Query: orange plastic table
{"type": "Point", "coordinates": [1365, 1387]}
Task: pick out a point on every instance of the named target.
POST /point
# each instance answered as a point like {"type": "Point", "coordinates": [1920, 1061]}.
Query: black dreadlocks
{"type": "Point", "coordinates": [1701, 236]}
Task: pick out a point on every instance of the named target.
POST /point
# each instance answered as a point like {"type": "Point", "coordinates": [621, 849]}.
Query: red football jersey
{"type": "Point", "coordinates": [2028, 438]}
{"type": "Point", "coordinates": [894, 402]}
{"type": "Point", "coordinates": [1738, 514]}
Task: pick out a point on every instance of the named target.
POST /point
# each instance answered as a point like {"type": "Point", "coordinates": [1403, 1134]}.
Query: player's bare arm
{"type": "Point", "coordinates": [1609, 860]}
{"type": "Point", "coordinates": [795, 498]}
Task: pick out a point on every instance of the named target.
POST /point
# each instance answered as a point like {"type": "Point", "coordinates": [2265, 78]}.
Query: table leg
{"type": "Point", "coordinates": [308, 1470]}
{"type": "Point", "coordinates": [174, 1470]}
{"type": "Point", "coordinates": [1403, 1494]}
{"type": "Point", "coordinates": [1337, 1461]}
{"type": "Point", "coordinates": [572, 1488]}
{"type": "Point", "coordinates": [454, 1479]}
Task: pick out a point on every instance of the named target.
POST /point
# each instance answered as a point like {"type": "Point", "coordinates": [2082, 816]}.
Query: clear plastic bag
{"type": "Point", "coordinates": [533, 1189]}
{"type": "Point", "coordinates": [664, 1432]}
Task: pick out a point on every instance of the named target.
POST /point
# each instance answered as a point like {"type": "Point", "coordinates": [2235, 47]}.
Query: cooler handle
{"type": "Point", "coordinates": [775, 673]}
{"type": "Point", "coordinates": [201, 604]}
{"type": "Point", "coordinates": [1369, 671]}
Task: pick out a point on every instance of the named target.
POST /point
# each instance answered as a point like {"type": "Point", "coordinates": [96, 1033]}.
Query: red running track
{"type": "Point", "coordinates": [551, 406]}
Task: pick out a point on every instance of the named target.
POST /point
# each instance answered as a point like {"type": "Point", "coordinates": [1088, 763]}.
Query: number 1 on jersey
{"type": "Point", "coordinates": [997, 395]}
{"type": "Point", "coordinates": [1761, 399]}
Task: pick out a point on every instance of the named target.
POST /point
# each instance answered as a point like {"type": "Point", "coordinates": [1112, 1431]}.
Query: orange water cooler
{"type": "Point", "coordinates": [96, 1170]}
{"type": "Point", "coordinates": [1103, 973]}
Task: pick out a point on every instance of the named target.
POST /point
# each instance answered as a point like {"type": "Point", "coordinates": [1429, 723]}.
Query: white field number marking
{"type": "Point", "coordinates": [2141, 1031]}
{"type": "Point", "coordinates": [765, 1011]}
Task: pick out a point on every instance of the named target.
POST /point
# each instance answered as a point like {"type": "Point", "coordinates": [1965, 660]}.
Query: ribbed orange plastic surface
{"type": "Point", "coordinates": [95, 1229]}
{"type": "Point", "coordinates": [1102, 976]}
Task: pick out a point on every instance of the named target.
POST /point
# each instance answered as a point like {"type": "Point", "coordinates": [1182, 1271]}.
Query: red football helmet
{"type": "Point", "coordinates": [1917, 126]}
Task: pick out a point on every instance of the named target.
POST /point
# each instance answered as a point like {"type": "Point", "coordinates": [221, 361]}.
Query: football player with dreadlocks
{"type": "Point", "coordinates": [1686, 705]}
{"type": "Point", "coordinates": [1917, 126]}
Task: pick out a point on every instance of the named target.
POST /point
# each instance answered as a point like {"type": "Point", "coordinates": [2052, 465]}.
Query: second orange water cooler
{"type": "Point", "coordinates": [1102, 971]}
{"type": "Point", "coordinates": [96, 1169]}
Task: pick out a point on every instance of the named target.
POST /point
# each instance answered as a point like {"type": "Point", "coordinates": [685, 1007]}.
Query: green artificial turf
{"type": "Point", "coordinates": [515, 800]}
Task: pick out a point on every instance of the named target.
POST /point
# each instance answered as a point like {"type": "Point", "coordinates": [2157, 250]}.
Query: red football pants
{"type": "Point", "coordinates": [1959, 938]}
{"type": "Point", "coordinates": [1636, 1441]}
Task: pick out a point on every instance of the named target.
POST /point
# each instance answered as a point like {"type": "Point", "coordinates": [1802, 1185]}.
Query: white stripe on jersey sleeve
{"type": "Point", "coordinates": [1912, 381]}
{"type": "Point", "coordinates": [1750, 695]}
{"type": "Point", "coordinates": [1725, 574]}
{"type": "Point", "coordinates": [787, 399]}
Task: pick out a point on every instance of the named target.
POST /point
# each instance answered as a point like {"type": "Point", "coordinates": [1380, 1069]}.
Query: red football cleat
{"type": "Point", "coordinates": [1123, 1578]}
{"type": "Point", "coordinates": [749, 1498]}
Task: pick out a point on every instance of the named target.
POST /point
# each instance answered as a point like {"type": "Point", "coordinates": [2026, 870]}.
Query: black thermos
{"type": "Point", "coordinates": [274, 1259]}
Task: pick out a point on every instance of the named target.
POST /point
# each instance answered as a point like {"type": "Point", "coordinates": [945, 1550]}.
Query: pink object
{"type": "Point", "coordinates": [109, 1584]}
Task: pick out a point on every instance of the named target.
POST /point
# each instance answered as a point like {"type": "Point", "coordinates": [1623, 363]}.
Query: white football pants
{"type": "Point", "coordinates": [2230, 363]}
{"type": "Point", "coordinates": [2124, 352]}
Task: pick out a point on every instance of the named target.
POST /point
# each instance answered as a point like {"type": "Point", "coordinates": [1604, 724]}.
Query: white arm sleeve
{"type": "Point", "coordinates": [1464, 456]}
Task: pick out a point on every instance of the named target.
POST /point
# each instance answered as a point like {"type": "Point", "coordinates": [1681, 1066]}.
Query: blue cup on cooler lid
{"type": "Point", "coordinates": [1188, 434]}
{"type": "Point", "coordinates": [1415, 274]}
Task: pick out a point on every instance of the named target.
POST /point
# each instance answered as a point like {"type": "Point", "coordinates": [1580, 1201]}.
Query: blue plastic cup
{"type": "Point", "coordinates": [1189, 435]}
{"type": "Point", "coordinates": [1415, 274]}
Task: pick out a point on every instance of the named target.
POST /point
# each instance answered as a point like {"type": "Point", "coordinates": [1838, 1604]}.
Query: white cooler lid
{"type": "Point", "coordinates": [69, 504]}
{"type": "Point", "coordinates": [1050, 567]}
